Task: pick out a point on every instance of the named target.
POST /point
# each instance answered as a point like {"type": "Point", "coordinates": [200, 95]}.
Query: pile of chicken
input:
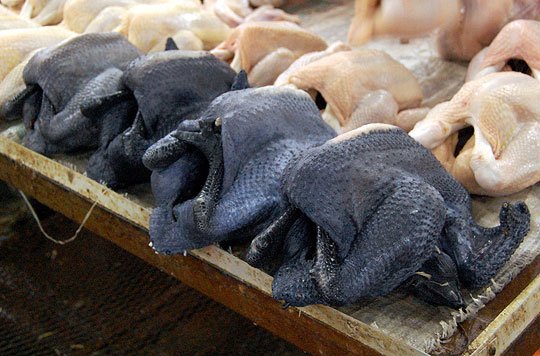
{"type": "Point", "coordinates": [327, 159]}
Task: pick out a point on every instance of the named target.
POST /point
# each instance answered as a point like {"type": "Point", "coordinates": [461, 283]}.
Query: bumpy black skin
{"type": "Point", "coordinates": [219, 177]}
{"type": "Point", "coordinates": [373, 209]}
{"type": "Point", "coordinates": [60, 79]}
{"type": "Point", "coordinates": [169, 87]}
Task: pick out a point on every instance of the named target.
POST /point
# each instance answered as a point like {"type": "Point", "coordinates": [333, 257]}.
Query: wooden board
{"type": "Point", "coordinates": [230, 281]}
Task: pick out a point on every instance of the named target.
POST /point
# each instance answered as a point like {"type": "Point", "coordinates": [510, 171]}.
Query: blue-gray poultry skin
{"type": "Point", "coordinates": [60, 79]}
{"type": "Point", "coordinates": [228, 166]}
{"type": "Point", "coordinates": [372, 208]}
{"type": "Point", "coordinates": [168, 87]}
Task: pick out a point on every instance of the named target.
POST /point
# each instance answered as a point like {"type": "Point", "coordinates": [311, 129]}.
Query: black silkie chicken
{"type": "Point", "coordinates": [60, 79]}
{"type": "Point", "coordinates": [372, 208]}
{"type": "Point", "coordinates": [167, 88]}
{"type": "Point", "coordinates": [218, 177]}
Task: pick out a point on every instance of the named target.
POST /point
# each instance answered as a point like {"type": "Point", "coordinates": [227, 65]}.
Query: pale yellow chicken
{"type": "Point", "coordinates": [78, 14]}
{"type": "Point", "coordinates": [148, 26]}
{"type": "Point", "coordinates": [266, 49]}
{"type": "Point", "coordinates": [14, 5]}
{"type": "Point", "coordinates": [516, 47]}
{"type": "Point", "coordinates": [107, 20]}
{"type": "Point", "coordinates": [465, 26]}
{"type": "Point", "coordinates": [13, 83]}
{"type": "Point", "coordinates": [361, 87]}
{"type": "Point", "coordinates": [16, 44]}
{"type": "Point", "coordinates": [236, 12]}
{"type": "Point", "coordinates": [503, 157]}
{"type": "Point", "coordinates": [43, 12]}
{"type": "Point", "coordinates": [10, 20]}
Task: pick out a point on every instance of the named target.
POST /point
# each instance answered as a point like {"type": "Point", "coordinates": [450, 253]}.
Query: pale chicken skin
{"type": "Point", "coordinates": [12, 85]}
{"type": "Point", "coordinates": [12, 4]}
{"type": "Point", "coordinates": [361, 87]}
{"type": "Point", "coordinates": [146, 26]}
{"type": "Point", "coordinates": [78, 14]}
{"type": "Point", "coordinates": [16, 44]}
{"type": "Point", "coordinates": [107, 20]}
{"type": "Point", "coordinates": [464, 26]}
{"type": "Point", "coordinates": [516, 47]}
{"type": "Point", "coordinates": [503, 157]}
{"type": "Point", "coordinates": [266, 49]}
{"type": "Point", "coordinates": [43, 12]}
{"type": "Point", "coordinates": [236, 12]}
{"type": "Point", "coordinates": [10, 20]}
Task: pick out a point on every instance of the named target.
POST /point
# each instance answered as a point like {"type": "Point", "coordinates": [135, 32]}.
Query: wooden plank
{"type": "Point", "coordinates": [509, 324]}
{"type": "Point", "coordinates": [212, 271]}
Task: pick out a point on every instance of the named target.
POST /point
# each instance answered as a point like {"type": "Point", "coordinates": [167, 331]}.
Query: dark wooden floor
{"type": "Point", "coordinates": [92, 297]}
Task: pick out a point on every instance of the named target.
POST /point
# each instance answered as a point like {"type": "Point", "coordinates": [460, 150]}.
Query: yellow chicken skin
{"type": "Point", "coordinates": [13, 84]}
{"type": "Point", "coordinates": [14, 5]}
{"type": "Point", "coordinates": [516, 47]}
{"type": "Point", "coordinates": [78, 14]}
{"type": "Point", "coordinates": [43, 12]}
{"type": "Point", "coordinates": [16, 44]}
{"type": "Point", "coordinates": [236, 12]}
{"type": "Point", "coordinates": [10, 20]}
{"type": "Point", "coordinates": [107, 20]}
{"type": "Point", "coordinates": [503, 157]}
{"type": "Point", "coordinates": [361, 87]}
{"type": "Point", "coordinates": [464, 26]}
{"type": "Point", "coordinates": [266, 49]}
{"type": "Point", "coordinates": [146, 25]}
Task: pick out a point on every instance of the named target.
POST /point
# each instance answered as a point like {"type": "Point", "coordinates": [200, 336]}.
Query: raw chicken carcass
{"type": "Point", "coordinates": [503, 157]}
{"type": "Point", "coordinates": [107, 20]}
{"type": "Point", "coordinates": [232, 12]}
{"type": "Point", "coordinates": [465, 26]}
{"type": "Point", "coordinates": [43, 12]}
{"type": "Point", "coordinates": [359, 87]}
{"type": "Point", "coordinates": [78, 14]}
{"type": "Point", "coordinates": [16, 44]}
{"type": "Point", "coordinates": [515, 48]}
{"type": "Point", "coordinates": [10, 20]}
{"type": "Point", "coordinates": [266, 49]}
{"type": "Point", "coordinates": [236, 12]}
{"type": "Point", "coordinates": [10, 87]}
{"type": "Point", "coordinates": [147, 25]}
{"type": "Point", "coordinates": [12, 4]}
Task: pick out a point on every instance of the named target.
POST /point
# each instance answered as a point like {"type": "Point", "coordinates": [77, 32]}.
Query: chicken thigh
{"type": "Point", "coordinates": [503, 157]}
